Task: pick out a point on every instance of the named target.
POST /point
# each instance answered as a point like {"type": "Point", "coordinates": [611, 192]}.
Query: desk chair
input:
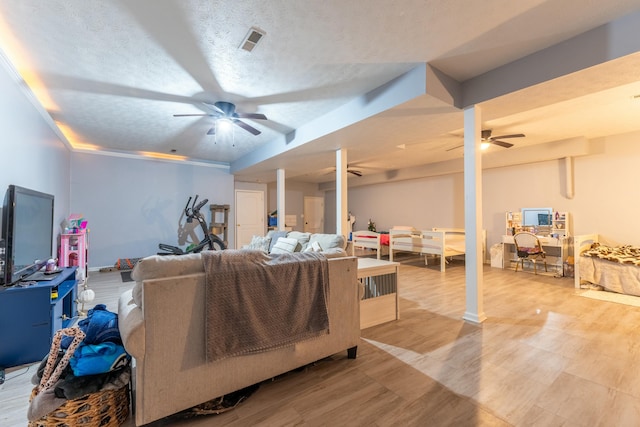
{"type": "Point", "coordinates": [528, 247]}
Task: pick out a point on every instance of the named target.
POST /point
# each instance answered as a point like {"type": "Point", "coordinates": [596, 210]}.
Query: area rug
{"type": "Point", "coordinates": [612, 297]}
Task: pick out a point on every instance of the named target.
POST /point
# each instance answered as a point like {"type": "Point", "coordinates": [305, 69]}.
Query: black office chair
{"type": "Point", "coordinates": [528, 247]}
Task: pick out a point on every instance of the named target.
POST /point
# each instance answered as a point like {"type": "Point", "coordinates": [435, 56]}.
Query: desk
{"type": "Point", "coordinates": [380, 301]}
{"type": "Point", "coordinates": [557, 251]}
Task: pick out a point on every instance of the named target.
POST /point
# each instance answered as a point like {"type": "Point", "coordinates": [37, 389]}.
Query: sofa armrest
{"type": "Point", "coordinates": [328, 241]}
{"type": "Point", "coordinates": [131, 325]}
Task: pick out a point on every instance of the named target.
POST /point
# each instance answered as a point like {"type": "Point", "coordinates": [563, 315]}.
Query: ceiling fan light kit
{"type": "Point", "coordinates": [227, 111]}
{"type": "Point", "coordinates": [224, 129]}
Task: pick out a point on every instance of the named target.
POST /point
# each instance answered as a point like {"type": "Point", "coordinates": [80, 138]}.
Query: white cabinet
{"type": "Point", "coordinates": [513, 223]}
{"type": "Point", "coordinates": [560, 224]}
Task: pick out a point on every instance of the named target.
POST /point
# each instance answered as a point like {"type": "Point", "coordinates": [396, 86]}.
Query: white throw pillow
{"type": "Point", "coordinates": [259, 243]}
{"type": "Point", "coordinates": [313, 247]}
{"type": "Point", "coordinates": [284, 245]}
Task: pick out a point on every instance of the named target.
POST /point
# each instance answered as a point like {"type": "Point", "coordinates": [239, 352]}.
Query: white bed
{"type": "Point", "coordinates": [620, 277]}
{"type": "Point", "coordinates": [366, 239]}
{"type": "Point", "coordinates": [441, 242]}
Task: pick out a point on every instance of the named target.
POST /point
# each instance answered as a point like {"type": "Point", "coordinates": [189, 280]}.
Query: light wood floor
{"type": "Point", "coordinates": [545, 357]}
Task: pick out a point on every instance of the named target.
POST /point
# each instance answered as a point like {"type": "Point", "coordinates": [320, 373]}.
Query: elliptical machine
{"type": "Point", "coordinates": [209, 242]}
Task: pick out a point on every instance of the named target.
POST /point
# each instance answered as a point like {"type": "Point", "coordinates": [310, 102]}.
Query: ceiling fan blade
{"type": "Point", "coordinates": [246, 127]}
{"type": "Point", "coordinates": [501, 143]}
{"type": "Point", "coordinates": [515, 135]}
{"type": "Point", "coordinates": [253, 116]}
{"type": "Point", "coordinates": [455, 148]}
{"type": "Point", "coordinates": [354, 172]}
{"type": "Point", "coordinates": [219, 111]}
{"type": "Point", "coordinates": [212, 131]}
{"type": "Point", "coordinates": [193, 115]}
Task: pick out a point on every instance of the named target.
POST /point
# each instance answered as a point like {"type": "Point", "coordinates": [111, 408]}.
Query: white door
{"type": "Point", "coordinates": [250, 216]}
{"type": "Point", "coordinates": [314, 214]}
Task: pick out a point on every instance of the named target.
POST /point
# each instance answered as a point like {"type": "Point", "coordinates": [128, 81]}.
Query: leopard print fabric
{"type": "Point", "coordinates": [50, 376]}
{"type": "Point", "coordinates": [621, 254]}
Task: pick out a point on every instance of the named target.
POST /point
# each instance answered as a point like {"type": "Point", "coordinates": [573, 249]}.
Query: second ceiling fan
{"type": "Point", "coordinates": [227, 110]}
{"type": "Point", "coordinates": [496, 140]}
{"type": "Point", "coordinates": [349, 170]}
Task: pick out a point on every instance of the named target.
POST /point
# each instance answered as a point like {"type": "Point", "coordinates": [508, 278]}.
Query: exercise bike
{"type": "Point", "coordinates": [209, 242]}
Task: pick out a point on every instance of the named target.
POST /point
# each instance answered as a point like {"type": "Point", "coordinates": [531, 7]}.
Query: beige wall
{"type": "Point", "coordinates": [604, 202]}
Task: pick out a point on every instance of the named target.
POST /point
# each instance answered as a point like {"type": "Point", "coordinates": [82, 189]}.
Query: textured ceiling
{"type": "Point", "coordinates": [112, 75]}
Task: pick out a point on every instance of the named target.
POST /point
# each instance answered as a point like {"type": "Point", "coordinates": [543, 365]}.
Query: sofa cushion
{"type": "Point", "coordinates": [301, 237]}
{"type": "Point", "coordinates": [328, 241]}
{"type": "Point", "coordinates": [285, 245]}
{"type": "Point", "coordinates": [259, 243]}
{"type": "Point", "coordinates": [156, 266]}
{"type": "Point", "coordinates": [312, 247]}
{"type": "Point", "coordinates": [275, 235]}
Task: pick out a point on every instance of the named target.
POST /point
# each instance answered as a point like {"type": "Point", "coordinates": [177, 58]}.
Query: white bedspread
{"type": "Point", "coordinates": [616, 277]}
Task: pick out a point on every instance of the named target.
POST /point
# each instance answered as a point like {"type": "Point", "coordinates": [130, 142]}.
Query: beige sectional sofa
{"type": "Point", "coordinates": [162, 323]}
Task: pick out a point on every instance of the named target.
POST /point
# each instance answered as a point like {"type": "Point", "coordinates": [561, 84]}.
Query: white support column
{"type": "Point", "coordinates": [342, 210]}
{"type": "Point", "coordinates": [280, 198]}
{"type": "Point", "coordinates": [473, 215]}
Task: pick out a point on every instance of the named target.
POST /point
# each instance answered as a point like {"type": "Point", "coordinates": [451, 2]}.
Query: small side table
{"type": "Point", "coordinates": [380, 301]}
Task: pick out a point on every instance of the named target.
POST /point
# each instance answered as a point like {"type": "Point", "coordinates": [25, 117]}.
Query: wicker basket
{"type": "Point", "coordinates": [108, 407]}
{"type": "Point", "coordinates": [104, 408]}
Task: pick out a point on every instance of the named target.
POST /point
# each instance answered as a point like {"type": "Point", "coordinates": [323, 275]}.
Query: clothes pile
{"type": "Point", "coordinates": [86, 359]}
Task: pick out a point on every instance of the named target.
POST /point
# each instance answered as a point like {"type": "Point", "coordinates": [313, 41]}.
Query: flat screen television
{"type": "Point", "coordinates": [27, 230]}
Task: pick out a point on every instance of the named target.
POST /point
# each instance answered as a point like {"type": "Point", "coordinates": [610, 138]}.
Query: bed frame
{"type": "Point", "coordinates": [442, 242]}
{"type": "Point", "coordinates": [366, 239]}
{"type": "Point", "coordinates": [580, 244]}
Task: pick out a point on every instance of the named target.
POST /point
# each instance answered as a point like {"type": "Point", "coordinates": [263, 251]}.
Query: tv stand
{"type": "Point", "coordinates": [30, 316]}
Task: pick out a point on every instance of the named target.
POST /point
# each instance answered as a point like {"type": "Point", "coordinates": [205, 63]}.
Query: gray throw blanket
{"type": "Point", "coordinates": [257, 302]}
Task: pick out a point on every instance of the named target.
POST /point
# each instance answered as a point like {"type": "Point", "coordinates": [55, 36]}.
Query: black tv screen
{"type": "Point", "coordinates": [544, 219]}
{"type": "Point", "coordinates": [27, 230]}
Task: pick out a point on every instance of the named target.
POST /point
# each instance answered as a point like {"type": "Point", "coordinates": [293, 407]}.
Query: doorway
{"type": "Point", "coordinates": [314, 214]}
{"type": "Point", "coordinates": [250, 216]}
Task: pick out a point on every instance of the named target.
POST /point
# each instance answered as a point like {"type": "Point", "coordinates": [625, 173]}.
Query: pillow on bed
{"type": "Point", "coordinates": [284, 245]}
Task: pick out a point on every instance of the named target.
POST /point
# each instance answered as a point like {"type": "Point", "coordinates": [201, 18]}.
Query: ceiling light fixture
{"type": "Point", "coordinates": [251, 40]}
{"type": "Point", "coordinates": [484, 145]}
{"type": "Point", "coordinates": [225, 130]}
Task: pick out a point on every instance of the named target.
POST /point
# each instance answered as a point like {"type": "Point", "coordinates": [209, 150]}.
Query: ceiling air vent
{"type": "Point", "coordinates": [251, 40]}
